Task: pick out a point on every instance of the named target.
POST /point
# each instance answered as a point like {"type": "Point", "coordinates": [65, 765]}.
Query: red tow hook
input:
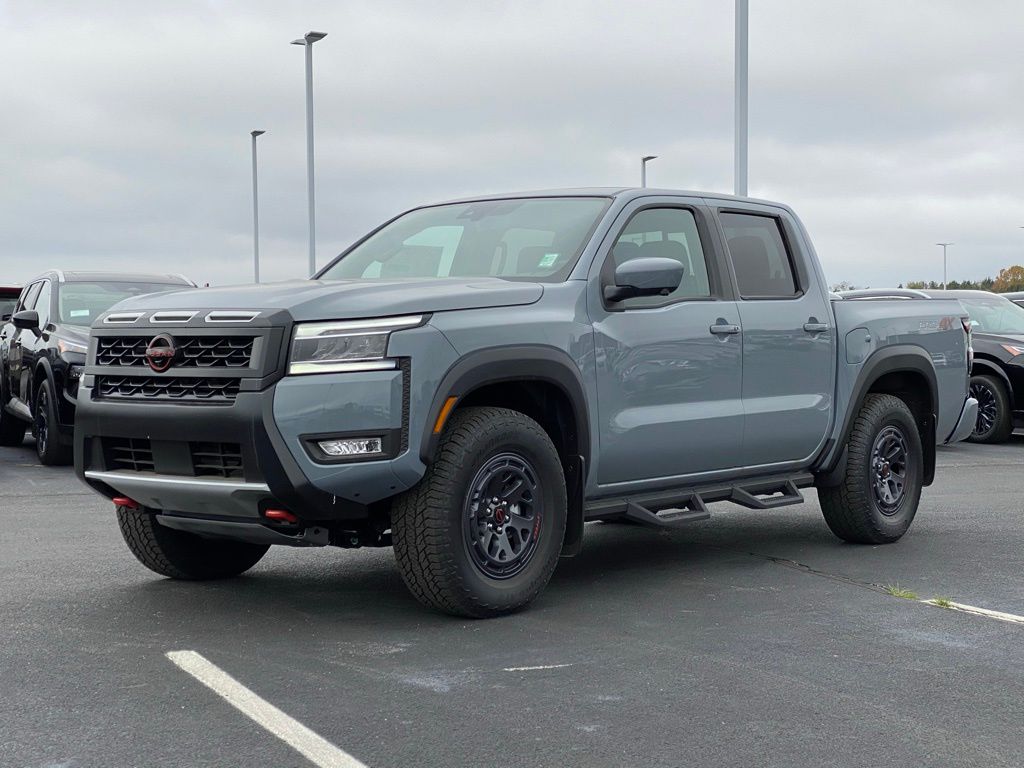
{"type": "Point", "coordinates": [281, 516]}
{"type": "Point", "coordinates": [124, 501]}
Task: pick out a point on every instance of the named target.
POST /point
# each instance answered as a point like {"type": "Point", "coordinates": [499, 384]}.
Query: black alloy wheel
{"type": "Point", "coordinates": [889, 467]}
{"type": "Point", "coordinates": [50, 448]}
{"type": "Point", "coordinates": [41, 422]}
{"type": "Point", "coordinates": [503, 513]}
{"type": "Point", "coordinates": [995, 420]}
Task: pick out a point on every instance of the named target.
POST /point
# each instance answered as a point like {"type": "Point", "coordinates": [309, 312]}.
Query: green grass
{"type": "Point", "coordinates": [898, 591]}
{"type": "Point", "coordinates": [942, 602]}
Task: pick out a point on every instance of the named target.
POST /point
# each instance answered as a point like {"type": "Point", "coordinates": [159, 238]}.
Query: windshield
{"type": "Point", "coordinates": [532, 238]}
{"type": "Point", "coordinates": [995, 315]}
{"type": "Point", "coordinates": [81, 303]}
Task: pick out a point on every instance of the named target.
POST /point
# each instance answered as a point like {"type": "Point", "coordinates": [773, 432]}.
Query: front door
{"type": "Point", "coordinates": [788, 338]}
{"type": "Point", "coordinates": [668, 367]}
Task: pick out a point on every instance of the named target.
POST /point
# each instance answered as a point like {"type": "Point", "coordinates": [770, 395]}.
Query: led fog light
{"type": "Point", "coordinates": [359, 446]}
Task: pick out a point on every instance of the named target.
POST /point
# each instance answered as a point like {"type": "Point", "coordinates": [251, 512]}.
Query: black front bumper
{"type": "Point", "coordinates": [270, 479]}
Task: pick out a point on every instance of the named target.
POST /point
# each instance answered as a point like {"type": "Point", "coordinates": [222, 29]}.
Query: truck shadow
{"type": "Point", "coordinates": [332, 588]}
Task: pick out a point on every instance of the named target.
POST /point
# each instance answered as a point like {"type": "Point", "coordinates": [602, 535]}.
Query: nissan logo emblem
{"type": "Point", "coordinates": [161, 352]}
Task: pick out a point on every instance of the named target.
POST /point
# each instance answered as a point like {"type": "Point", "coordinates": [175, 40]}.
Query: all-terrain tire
{"type": "Point", "coordinates": [434, 524]}
{"type": "Point", "coordinates": [50, 449]}
{"type": "Point", "coordinates": [854, 510]}
{"type": "Point", "coordinates": [12, 429]}
{"type": "Point", "coordinates": [182, 555]}
{"type": "Point", "coordinates": [995, 419]}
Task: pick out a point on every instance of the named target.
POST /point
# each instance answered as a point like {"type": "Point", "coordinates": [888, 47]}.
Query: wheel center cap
{"type": "Point", "coordinates": [500, 516]}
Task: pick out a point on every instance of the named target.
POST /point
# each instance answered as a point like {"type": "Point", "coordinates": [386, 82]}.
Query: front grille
{"type": "Point", "coordinates": [217, 459]}
{"type": "Point", "coordinates": [193, 351]}
{"type": "Point", "coordinates": [170, 388]}
{"type": "Point", "coordinates": [131, 453]}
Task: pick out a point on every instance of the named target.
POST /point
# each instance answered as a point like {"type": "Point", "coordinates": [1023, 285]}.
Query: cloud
{"type": "Point", "coordinates": [888, 126]}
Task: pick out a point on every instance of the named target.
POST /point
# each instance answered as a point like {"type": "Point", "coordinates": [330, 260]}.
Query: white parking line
{"type": "Point", "coordinates": [310, 745]}
{"type": "Point", "coordinates": [532, 669]}
{"type": "Point", "coordinates": [1010, 617]}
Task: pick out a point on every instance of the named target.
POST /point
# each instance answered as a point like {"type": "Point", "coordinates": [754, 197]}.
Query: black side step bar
{"type": "Point", "coordinates": [672, 509]}
{"type": "Point", "coordinates": [748, 498]}
{"type": "Point", "coordinates": [689, 510]}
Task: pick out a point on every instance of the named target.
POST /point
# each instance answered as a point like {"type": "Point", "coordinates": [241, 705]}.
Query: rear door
{"type": "Point", "coordinates": [668, 367]}
{"type": "Point", "coordinates": [788, 336]}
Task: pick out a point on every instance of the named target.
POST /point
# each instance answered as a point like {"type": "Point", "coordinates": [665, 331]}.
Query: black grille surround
{"type": "Point", "coordinates": [215, 361]}
{"type": "Point", "coordinates": [193, 351]}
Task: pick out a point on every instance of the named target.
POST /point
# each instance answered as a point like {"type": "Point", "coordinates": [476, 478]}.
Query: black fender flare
{"type": "Point", "coordinates": [512, 363]}
{"type": "Point", "coordinates": [900, 358]}
{"type": "Point", "coordinates": [529, 362]}
{"type": "Point", "coordinates": [983, 366]}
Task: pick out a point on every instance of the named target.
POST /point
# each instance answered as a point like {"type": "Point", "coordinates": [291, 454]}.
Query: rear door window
{"type": "Point", "coordinates": [760, 258]}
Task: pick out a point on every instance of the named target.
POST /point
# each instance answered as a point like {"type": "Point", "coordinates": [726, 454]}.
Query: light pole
{"type": "Point", "coordinates": [944, 246]}
{"type": "Point", "coordinates": [255, 212]}
{"type": "Point", "coordinates": [643, 168]}
{"type": "Point", "coordinates": [740, 159]}
{"type": "Point", "coordinates": [308, 40]}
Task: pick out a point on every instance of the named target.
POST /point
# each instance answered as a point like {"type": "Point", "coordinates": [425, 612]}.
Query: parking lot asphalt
{"type": "Point", "coordinates": [754, 638]}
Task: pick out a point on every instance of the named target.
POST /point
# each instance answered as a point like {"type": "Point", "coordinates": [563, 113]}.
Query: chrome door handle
{"type": "Point", "coordinates": [724, 328]}
{"type": "Point", "coordinates": [815, 327]}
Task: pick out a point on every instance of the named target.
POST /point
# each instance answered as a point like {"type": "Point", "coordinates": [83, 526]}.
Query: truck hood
{"type": "Point", "coordinates": [349, 299]}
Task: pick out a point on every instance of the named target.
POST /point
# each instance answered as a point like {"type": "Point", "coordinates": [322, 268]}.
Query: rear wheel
{"type": "Point", "coordinates": [878, 497]}
{"type": "Point", "coordinates": [46, 428]}
{"type": "Point", "coordinates": [182, 555]}
{"type": "Point", "coordinates": [481, 533]}
{"type": "Point", "coordinates": [995, 421]}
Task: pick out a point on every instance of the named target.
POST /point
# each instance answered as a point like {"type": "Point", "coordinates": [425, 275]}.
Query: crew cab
{"type": "Point", "coordinates": [42, 351]}
{"type": "Point", "coordinates": [473, 381]}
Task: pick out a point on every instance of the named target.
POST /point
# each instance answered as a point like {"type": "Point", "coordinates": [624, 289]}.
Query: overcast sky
{"type": "Point", "coordinates": [124, 127]}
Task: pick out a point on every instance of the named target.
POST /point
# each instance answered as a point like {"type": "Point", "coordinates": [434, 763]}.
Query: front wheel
{"type": "Point", "coordinates": [995, 422]}
{"type": "Point", "coordinates": [877, 499]}
{"type": "Point", "coordinates": [46, 428]}
{"type": "Point", "coordinates": [183, 555]}
{"type": "Point", "coordinates": [481, 533]}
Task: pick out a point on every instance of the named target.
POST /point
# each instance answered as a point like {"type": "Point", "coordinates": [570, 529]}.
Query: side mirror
{"type": "Point", "coordinates": [26, 320]}
{"type": "Point", "coordinates": [645, 276]}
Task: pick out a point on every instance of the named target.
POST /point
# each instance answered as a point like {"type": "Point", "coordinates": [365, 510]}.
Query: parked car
{"type": "Point", "coordinates": [42, 351]}
{"type": "Point", "coordinates": [997, 374]}
{"type": "Point", "coordinates": [1017, 297]}
{"type": "Point", "coordinates": [474, 380]}
{"type": "Point", "coordinates": [8, 298]}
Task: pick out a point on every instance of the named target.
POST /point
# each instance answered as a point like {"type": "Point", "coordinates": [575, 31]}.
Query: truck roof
{"type": "Point", "coordinates": [626, 193]}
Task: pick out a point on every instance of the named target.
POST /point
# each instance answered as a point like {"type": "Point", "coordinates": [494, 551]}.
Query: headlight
{"type": "Point", "coordinates": [350, 345]}
{"type": "Point", "coordinates": [65, 345]}
{"type": "Point", "coordinates": [1013, 349]}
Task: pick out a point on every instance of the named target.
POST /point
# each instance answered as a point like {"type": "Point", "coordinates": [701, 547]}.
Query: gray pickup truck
{"type": "Point", "coordinates": [473, 381]}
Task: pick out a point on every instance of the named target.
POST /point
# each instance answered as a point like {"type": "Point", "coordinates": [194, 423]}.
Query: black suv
{"type": "Point", "coordinates": [997, 377]}
{"type": "Point", "coordinates": [42, 351]}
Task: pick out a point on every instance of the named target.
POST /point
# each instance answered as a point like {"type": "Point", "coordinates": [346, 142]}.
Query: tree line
{"type": "Point", "coordinates": [1008, 279]}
